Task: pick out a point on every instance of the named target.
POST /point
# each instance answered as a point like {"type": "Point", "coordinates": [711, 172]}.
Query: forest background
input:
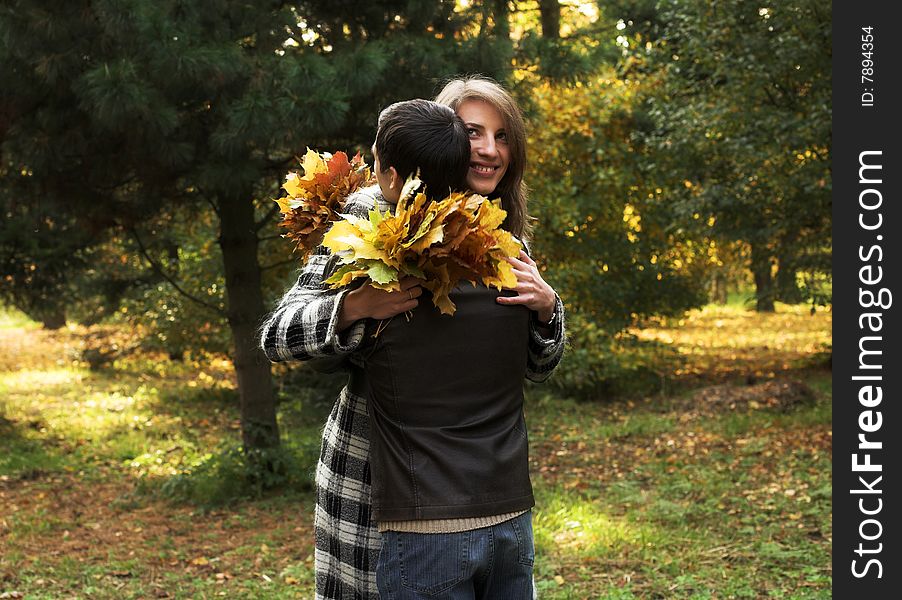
{"type": "Point", "coordinates": [679, 167]}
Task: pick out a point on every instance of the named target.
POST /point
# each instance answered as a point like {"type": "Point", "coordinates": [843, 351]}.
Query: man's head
{"type": "Point", "coordinates": [421, 135]}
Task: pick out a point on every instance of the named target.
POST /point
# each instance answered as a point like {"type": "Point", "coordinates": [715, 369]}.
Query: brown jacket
{"type": "Point", "coordinates": [445, 399]}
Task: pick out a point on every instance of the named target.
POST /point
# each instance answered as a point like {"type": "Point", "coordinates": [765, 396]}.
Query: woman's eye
{"type": "Point", "coordinates": [472, 132]}
{"type": "Point", "coordinates": [501, 136]}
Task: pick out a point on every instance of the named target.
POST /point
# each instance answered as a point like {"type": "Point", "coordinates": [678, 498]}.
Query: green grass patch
{"type": "Point", "coordinates": [11, 318]}
{"type": "Point", "coordinates": [129, 481]}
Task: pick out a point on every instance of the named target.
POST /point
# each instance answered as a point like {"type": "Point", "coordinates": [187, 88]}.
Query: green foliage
{"type": "Point", "coordinates": [616, 257]}
{"type": "Point", "coordinates": [582, 43]}
{"type": "Point", "coordinates": [39, 254]}
{"type": "Point", "coordinates": [606, 235]}
{"type": "Point", "coordinates": [741, 134]}
{"type": "Point", "coordinates": [671, 151]}
{"type": "Point", "coordinates": [24, 457]}
{"type": "Point", "coordinates": [230, 473]}
{"type": "Point", "coordinates": [184, 246]}
{"type": "Point", "coordinates": [599, 365]}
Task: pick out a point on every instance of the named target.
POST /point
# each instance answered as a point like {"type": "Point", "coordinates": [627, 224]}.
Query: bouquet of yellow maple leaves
{"type": "Point", "coordinates": [316, 197]}
{"type": "Point", "coordinates": [441, 242]}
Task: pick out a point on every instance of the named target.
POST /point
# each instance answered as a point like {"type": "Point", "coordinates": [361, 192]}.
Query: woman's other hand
{"type": "Point", "coordinates": [532, 291]}
{"type": "Point", "coordinates": [369, 302]}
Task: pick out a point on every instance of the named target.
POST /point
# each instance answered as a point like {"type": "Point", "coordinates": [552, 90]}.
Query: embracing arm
{"type": "Point", "coordinates": [546, 327]}
{"type": "Point", "coordinates": [313, 321]}
{"type": "Point", "coordinates": [546, 344]}
{"type": "Point", "coordinates": [305, 324]}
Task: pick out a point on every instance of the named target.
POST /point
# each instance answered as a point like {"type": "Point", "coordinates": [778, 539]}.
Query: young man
{"type": "Point", "coordinates": [448, 449]}
{"type": "Point", "coordinates": [414, 136]}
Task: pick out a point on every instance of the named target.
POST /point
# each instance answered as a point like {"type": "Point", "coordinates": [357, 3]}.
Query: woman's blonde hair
{"type": "Point", "coordinates": [511, 189]}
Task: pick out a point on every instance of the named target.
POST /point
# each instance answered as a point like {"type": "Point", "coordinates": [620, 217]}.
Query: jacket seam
{"type": "Point", "coordinates": [410, 469]}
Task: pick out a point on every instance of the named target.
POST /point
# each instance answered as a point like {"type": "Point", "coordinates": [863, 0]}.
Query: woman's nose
{"type": "Point", "coordinates": [486, 147]}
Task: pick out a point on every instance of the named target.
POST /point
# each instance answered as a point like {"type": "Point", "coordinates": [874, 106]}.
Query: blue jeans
{"type": "Point", "coordinates": [492, 563]}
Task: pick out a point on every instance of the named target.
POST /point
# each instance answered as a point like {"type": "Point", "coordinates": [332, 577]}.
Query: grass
{"type": "Point", "coordinates": [735, 505]}
{"type": "Point", "coordinates": [121, 483]}
{"type": "Point", "coordinates": [724, 343]}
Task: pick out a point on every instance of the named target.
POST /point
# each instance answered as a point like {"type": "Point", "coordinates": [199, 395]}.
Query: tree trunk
{"type": "Point", "coordinates": [238, 240]}
{"type": "Point", "coordinates": [502, 27]}
{"type": "Point", "coordinates": [719, 294]}
{"type": "Point", "coordinates": [787, 287]}
{"type": "Point", "coordinates": [53, 318]}
{"type": "Point", "coordinates": [764, 281]}
{"type": "Point", "coordinates": [550, 16]}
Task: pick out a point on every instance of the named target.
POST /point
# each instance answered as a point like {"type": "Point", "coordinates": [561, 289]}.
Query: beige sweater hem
{"type": "Point", "coordinates": [446, 525]}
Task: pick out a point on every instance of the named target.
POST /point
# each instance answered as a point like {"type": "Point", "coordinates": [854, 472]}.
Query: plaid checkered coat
{"type": "Point", "coordinates": [303, 327]}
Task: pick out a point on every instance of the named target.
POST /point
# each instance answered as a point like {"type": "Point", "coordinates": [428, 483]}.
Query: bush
{"type": "Point", "coordinates": [230, 473]}
{"type": "Point", "coordinates": [599, 365]}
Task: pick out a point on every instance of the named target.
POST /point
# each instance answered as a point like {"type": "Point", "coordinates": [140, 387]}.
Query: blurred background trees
{"type": "Point", "coordinates": [678, 150]}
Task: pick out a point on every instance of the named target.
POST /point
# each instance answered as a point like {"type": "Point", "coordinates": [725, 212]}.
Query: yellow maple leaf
{"type": "Point", "coordinates": [507, 244]}
{"type": "Point", "coordinates": [343, 277]}
{"type": "Point", "coordinates": [490, 214]}
{"type": "Point", "coordinates": [432, 234]}
{"type": "Point", "coordinates": [440, 285]}
{"type": "Point", "coordinates": [345, 236]}
{"type": "Point", "coordinates": [504, 279]}
{"type": "Point", "coordinates": [284, 205]}
{"type": "Point", "coordinates": [313, 164]}
{"type": "Point", "coordinates": [292, 185]}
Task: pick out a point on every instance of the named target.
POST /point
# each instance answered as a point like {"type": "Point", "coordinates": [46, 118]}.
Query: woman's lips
{"type": "Point", "coordinates": [483, 170]}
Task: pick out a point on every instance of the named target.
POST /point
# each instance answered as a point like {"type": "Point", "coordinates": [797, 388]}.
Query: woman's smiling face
{"type": "Point", "coordinates": [489, 151]}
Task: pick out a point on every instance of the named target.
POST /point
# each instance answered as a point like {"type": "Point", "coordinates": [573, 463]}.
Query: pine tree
{"type": "Point", "coordinates": [118, 111]}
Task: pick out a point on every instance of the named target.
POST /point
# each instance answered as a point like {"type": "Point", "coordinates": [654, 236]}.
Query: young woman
{"type": "Point", "coordinates": [313, 322]}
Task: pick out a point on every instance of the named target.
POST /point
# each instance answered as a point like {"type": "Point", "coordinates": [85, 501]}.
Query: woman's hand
{"type": "Point", "coordinates": [532, 291]}
{"type": "Point", "coordinates": [369, 302]}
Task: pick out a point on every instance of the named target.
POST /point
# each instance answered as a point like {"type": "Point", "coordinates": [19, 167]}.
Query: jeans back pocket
{"type": "Point", "coordinates": [430, 563]}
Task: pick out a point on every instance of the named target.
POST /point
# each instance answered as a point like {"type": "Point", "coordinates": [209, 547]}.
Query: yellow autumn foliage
{"type": "Point", "coordinates": [316, 196]}
{"type": "Point", "coordinates": [441, 242]}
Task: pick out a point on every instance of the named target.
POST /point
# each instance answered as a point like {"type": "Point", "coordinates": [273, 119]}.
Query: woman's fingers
{"type": "Point", "coordinates": [518, 299]}
{"type": "Point", "coordinates": [525, 258]}
{"type": "Point", "coordinates": [384, 304]}
{"type": "Point", "coordinates": [532, 291]}
{"type": "Point", "coordinates": [524, 274]}
{"type": "Point", "coordinates": [517, 263]}
{"type": "Point", "coordinates": [409, 282]}
{"type": "Point", "coordinates": [406, 297]}
{"type": "Point", "coordinates": [411, 288]}
{"type": "Point", "coordinates": [523, 263]}
{"type": "Point", "coordinates": [522, 271]}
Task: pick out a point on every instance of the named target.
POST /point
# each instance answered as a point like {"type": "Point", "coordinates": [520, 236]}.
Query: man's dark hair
{"type": "Point", "coordinates": [426, 136]}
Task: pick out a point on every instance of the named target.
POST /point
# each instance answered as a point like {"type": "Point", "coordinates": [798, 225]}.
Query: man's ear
{"type": "Point", "coordinates": [396, 182]}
